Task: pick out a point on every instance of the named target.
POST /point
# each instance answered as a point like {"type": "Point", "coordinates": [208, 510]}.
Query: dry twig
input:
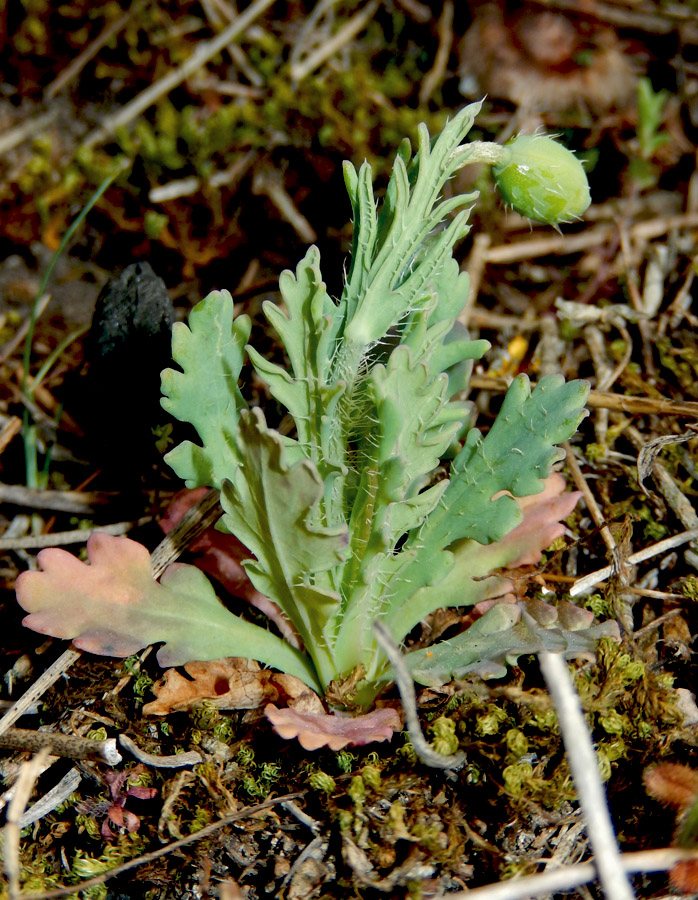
{"type": "Point", "coordinates": [585, 771]}
{"type": "Point", "coordinates": [22, 791]}
{"type": "Point", "coordinates": [346, 33]}
{"type": "Point", "coordinates": [405, 685]}
{"type": "Point", "coordinates": [204, 52]}
{"type": "Point", "coordinates": [582, 585]}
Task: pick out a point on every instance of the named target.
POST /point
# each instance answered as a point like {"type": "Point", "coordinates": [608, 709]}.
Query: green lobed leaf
{"type": "Point", "coordinates": [515, 456]}
{"type": "Point", "coordinates": [502, 634]}
{"type": "Point", "coordinates": [307, 331]}
{"type": "Point", "coordinates": [399, 258]}
{"type": "Point", "coordinates": [273, 509]}
{"type": "Point", "coordinates": [205, 393]}
{"type": "Point", "coordinates": [114, 607]}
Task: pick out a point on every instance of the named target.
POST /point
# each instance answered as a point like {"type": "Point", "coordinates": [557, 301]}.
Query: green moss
{"type": "Point", "coordinates": [445, 740]}
{"type": "Point", "coordinates": [322, 782]}
{"type": "Point", "coordinates": [492, 721]}
{"type": "Point", "coordinates": [345, 761]}
{"type": "Point", "coordinates": [357, 790]}
{"type": "Point", "coordinates": [371, 776]}
{"type": "Point", "coordinates": [689, 587]}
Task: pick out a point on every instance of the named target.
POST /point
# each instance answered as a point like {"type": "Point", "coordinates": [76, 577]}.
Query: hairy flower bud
{"type": "Point", "coordinates": [541, 179]}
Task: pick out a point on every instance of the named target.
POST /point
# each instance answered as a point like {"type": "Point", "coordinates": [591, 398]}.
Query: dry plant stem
{"type": "Point", "coordinates": [660, 620]}
{"type": "Point", "coordinates": [405, 685]}
{"type": "Point", "coordinates": [551, 348]}
{"type": "Point", "coordinates": [585, 772]}
{"type": "Point", "coordinates": [184, 187]}
{"type": "Point", "coordinates": [21, 133]}
{"type": "Point", "coordinates": [92, 49]}
{"type": "Point", "coordinates": [302, 816]}
{"type": "Point", "coordinates": [632, 281]}
{"type": "Point", "coordinates": [604, 400]}
{"type": "Point", "coordinates": [589, 581]}
{"type": "Point", "coordinates": [312, 31]}
{"type": "Point", "coordinates": [589, 499]}
{"type": "Point", "coordinates": [483, 318]}
{"type": "Point", "coordinates": [162, 851]}
{"type": "Point", "coordinates": [270, 184]}
{"type": "Point", "coordinates": [585, 240]}
{"type": "Point", "coordinates": [19, 336]}
{"type": "Point", "coordinates": [176, 761]}
{"type": "Point", "coordinates": [418, 11]}
{"type": "Point", "coordinates": [39, 688]}
{"type": "Point", "coordinates": [59, 793]}
{"type": "Point", "coordinates": [72, 746]}
{"type": "Point", "coordinates": [200, 517]}
{"type": "Point", "coordinates": [59, 538]}
{"type": "Point", "coordinates": [475, 268]}
{"type": "Point", "coordinates": [567, 878]}
{"type": "Point", "coordinates": [62, 501]}
{"type": "Point", "coordinates": [204, 52]}
{"type": "Point", "coordinates": [438, 70]}
{"type": "Point", "coordinates": [681, 303]}
{"type": "Point", "coordinates": [622, 600]}
{"type": "Point", "coordinates": [677, 500]}
{"type": "Point", "coordinates": [633, 18]}
{"type": "Point", "coordinates": [345, 34]}
{"type": "Point", "coordinates": [23, 787]}
{"type": "Point", "coordinates": [10, 430]}
{"type": "Point", "coordinates": [605, 375]}
{"type": "Point", "coordinates": [171, 795]}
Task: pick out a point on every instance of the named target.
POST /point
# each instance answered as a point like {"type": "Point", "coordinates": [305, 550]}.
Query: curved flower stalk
{"type": "Point", "coordinates": [346, 522]}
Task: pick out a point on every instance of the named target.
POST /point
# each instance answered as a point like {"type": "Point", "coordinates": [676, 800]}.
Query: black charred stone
{"type": "Point", "coordinates": [128, 346]}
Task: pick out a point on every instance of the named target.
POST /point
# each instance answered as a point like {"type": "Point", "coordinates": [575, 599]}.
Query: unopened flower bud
{"type": "Point", "coordinates": [542, 180]}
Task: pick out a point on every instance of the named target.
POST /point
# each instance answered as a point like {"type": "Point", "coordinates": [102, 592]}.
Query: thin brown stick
{"type": "Point", "coordinates": [71, 746]}
{"type": "Point", "coordinates": [20, 133]}
{"type": "Point", "coordinates": [197, 519]}
{"type": "Point", "coordinates": [270, 184]}
{"type": "Point", "coordinates": [583, 764]}
{"type": "Point", "coordinates": [633, 405]}
{"type": "Point", "coordinates": [594, 509]}
{"type": "Point", "coordinates": [176, 761]}
{"type": "Point", "coordinates": [17, 338]}
{"type": "Point", "coordinates": [24, 785]}
{"type": "Point", "coordinates": [92, 49]}
{"type": "Point", "coordinates": [438, 70]}
{"type": "Point", "coordinates": [10, 430]}
{"type": "Point", "coordinates": [346, 33]}
{"type": "Point", "coordinates": [62, 501]}
{"type": "Point", "coordinates": [585, 240]}
{"type": "Point", "coordinates": [405, 685]}
{"type": "Point", "coordinates": [566, 878]}
{"type": "Point", "coordinates": [626, 17]}
{"type": "Point", "coordinates": [671, 543]}
{"type": "Point", "coordinates": [78, 536]}
{"type": "Point", "coordinates": [660, 620]}
{"type": "Point", "coordinates": [204, 52]}
{"type": "Point", "coordinates": [34, 693]}
{"type": "Point", "coordinates": [475, 269]}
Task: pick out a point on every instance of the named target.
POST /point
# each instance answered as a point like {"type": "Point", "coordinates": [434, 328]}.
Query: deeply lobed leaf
{"type": "Point", "coordinates": [205, 393]}
{"type": "Point", "coordinates": [114, 607]}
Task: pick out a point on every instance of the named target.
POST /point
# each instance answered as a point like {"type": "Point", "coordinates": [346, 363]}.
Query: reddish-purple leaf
{"type": "Point", "coordinates": [114, 607]}
{"type": "Point", "coordinates": [220, 555]}
{"type": "Point", "coordinates": [315, 730]}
